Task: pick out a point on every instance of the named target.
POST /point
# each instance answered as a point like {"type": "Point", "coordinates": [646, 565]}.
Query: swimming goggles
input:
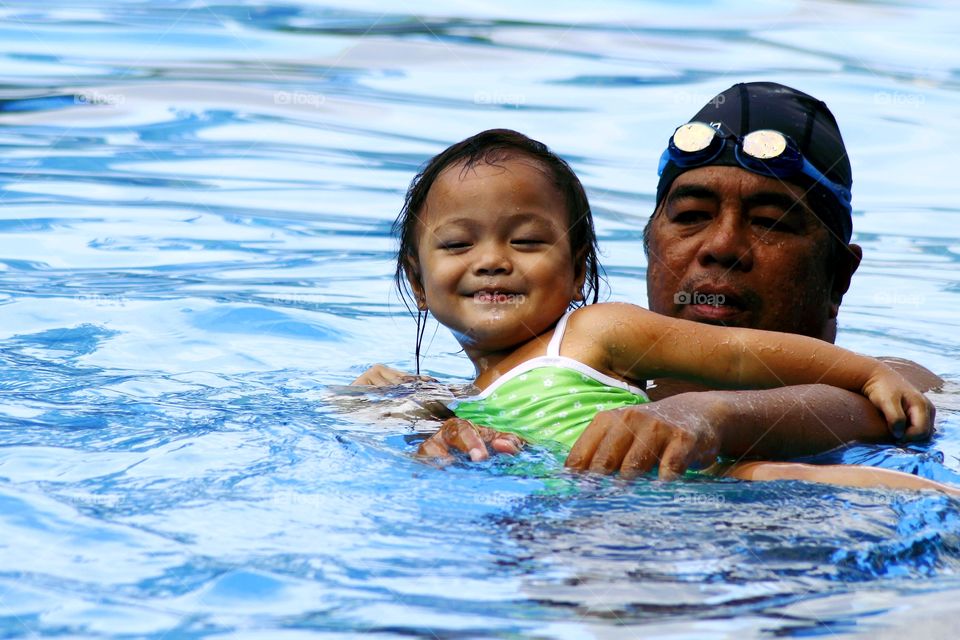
{"type": "Point", "coordinates": [764, 151]}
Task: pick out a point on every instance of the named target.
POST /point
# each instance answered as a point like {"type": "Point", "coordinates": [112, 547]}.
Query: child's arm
{"type": "Point", "coordinates": [641, 345]}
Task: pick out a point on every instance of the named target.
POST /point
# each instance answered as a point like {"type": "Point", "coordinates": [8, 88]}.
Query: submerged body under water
{"type": "Point", "coordinates": [196, 256]}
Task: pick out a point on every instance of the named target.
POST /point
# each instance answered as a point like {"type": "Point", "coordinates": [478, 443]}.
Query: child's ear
{"type": "Point", "coordinates": [411, 268]}
{"type": "Point", "coordinates": [579, 276]}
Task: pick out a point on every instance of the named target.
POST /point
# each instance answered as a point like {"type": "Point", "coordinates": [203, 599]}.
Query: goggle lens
{"type": "Point", "coordinates": [764, 151]}
{"type": "Point", "coordinates": [764, 144]}
{"type": "Point", "coordinates": [694, 136]}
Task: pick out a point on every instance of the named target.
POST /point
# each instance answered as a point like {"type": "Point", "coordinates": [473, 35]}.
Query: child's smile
{"type": "Point", "coordinates": [496, 296]}
{"type": "Point", "coordinates": [494, 255]}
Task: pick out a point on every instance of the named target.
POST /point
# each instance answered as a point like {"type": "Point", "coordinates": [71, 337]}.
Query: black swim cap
{"type": "Point", "coordinates": [752, 106]}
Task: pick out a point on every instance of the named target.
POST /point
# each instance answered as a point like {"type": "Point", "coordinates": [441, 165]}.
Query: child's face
{"type": "Point", "coordinates": [494, 254]}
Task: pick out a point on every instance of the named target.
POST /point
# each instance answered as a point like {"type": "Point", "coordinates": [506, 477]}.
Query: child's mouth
{"type": "Point", "coordinates": [497, 297]}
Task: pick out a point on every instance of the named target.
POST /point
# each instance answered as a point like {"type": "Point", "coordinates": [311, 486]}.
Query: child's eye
{"type": "Point", "coordinates": [453, 245]}
{"type": "Point", "coordinates": [527, 241]}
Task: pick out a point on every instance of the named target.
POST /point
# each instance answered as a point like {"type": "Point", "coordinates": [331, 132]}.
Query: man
{"type": "Point", "coordinates": [752, 228]}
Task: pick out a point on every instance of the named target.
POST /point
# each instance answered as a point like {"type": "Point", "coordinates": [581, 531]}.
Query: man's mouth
{"type": "Point", "coordinates": [715, 304]}
{"type": "Point", "coordinates": [716, 313]}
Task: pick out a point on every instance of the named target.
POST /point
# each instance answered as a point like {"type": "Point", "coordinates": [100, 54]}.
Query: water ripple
{"type": "Point", "coordinates": [196, 256]}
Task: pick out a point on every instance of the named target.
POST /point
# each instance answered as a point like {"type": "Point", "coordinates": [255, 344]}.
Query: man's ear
{"type": "Point", "coordinates": [411, 269]}
{"type": "Point", "coordinates": [845, 265]}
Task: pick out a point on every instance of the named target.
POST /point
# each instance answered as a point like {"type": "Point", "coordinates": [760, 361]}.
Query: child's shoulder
{"type": "Point", "coordinates": [618, 324]}
{"type": "Point", "coordinates": [608, 321]}
{"type": "Point", "coordinates": [601, 334]}
{"type": "Point", "coordinates": [603, 312]}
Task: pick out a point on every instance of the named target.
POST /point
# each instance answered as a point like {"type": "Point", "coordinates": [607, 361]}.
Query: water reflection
{"type": "Point", "coordinates": [196, 253]}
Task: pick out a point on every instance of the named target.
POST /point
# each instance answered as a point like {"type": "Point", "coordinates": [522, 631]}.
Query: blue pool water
{"type": "Point", "coordinates": [195, 256]}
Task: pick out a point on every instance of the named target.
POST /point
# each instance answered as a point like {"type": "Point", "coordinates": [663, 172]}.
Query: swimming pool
{"type": "Point", "coordinates": [195, 256]}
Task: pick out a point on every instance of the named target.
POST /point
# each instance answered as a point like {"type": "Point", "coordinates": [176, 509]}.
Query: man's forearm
{"type": "Point", "coordinates": [794, 421]}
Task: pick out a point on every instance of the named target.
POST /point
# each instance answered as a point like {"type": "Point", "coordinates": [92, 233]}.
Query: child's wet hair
{"type": "Point", "coordinates": [490, 147]}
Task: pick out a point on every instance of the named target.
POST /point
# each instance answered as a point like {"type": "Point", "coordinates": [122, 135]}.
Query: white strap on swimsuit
{"type": "Point", "coordinates": [554, 359]}
{"type": "Point", "coordinates": [553, 347]}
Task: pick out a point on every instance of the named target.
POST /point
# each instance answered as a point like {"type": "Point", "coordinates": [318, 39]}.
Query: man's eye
{"type": "Point", "coordinates": [773, 224]}
{"type": "Point", "coordinates": [692, 216]}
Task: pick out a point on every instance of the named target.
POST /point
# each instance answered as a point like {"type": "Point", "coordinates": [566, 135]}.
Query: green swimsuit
{"type": "Point", "coordinates": [550, 398]}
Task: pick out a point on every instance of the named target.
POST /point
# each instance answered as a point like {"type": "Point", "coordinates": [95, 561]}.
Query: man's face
{"type": "Point", "coordinates": [731, 247]}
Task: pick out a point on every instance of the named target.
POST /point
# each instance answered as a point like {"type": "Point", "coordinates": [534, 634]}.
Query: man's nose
{"type": "Point", "coordinates": [728, 244]}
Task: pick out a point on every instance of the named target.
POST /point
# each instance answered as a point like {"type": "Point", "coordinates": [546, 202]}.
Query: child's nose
{"type": "Point", "coordinates": [492, 262]}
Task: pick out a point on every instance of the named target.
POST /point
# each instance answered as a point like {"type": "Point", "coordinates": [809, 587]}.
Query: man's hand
{"type": "Point", "coordinates": [675, 433]}
{"type": "Point", "coordinates": [380, 375]}
{"type": "Point", "coordinates": [463, 435]}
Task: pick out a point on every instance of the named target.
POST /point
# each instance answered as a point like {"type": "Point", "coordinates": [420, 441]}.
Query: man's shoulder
{"type": "Point", "coordinates": [917, 374]}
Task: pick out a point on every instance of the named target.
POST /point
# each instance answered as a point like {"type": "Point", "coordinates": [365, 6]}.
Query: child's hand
{"type": "Point", "coordinates": [457, 434]}
{"type": "Point", "coordinates": [908, 413]}
{"type": "Point", "coordinates": [380, 375]}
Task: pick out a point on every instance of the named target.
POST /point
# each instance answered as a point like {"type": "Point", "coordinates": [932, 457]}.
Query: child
{"type": "Point", "coordinates": [497, 242]}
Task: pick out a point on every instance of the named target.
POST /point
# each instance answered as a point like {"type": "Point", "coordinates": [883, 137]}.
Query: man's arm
{"type": "Point", "coordinates": [820, 417]}
{"type": "Point", "coordinates": [691, 429]}
{"type": "Point", "coordinates": [800, 420]}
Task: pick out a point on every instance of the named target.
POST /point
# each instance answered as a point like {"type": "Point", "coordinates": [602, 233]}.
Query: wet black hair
{"type": "Point", "coordinates": [490, 147]}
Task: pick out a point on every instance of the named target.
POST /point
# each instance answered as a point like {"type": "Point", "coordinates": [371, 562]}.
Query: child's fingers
{"type": "Point", "coordinates": [434, 447]}
{"type": "Point", "coordinates": [380, 375]}
{"type": "Point", "coordinates": [465, 436]}
{"type": "Point", "coordinates": [456, 434]}
{"type": "Point", "coordinates": [892, 410]}
{"type": "Point", "coordinates": [922, 413]}
{"type": "Point", "coordinates": [507, 443]}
